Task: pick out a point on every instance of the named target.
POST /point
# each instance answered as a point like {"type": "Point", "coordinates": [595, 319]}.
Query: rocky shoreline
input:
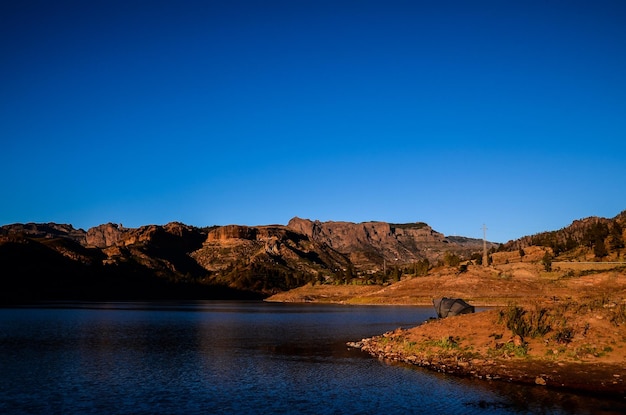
{"type": "Point", "coordinates": [604, 379]}
{"type": "Point", "coordinates": [475, 355]}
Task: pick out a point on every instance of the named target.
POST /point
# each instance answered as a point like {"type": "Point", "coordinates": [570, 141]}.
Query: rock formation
{"type": "Point", "coordinates": [39, 261]}
{"type": "Point", "coordinates": [371, 244]}
{"type": "Point", "coordinates": [104, 235]}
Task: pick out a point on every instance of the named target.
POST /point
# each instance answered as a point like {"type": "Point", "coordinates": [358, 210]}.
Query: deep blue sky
{"type": "Point", "coordinates": [455, 113]}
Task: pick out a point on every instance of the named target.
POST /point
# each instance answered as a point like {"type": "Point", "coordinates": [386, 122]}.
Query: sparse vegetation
{"type": "Point", "coordinates": [564, 335]}
{"type": "Point", "coordinates": [526, 323]}
{"type": "Point", "coordinates": [421, 267]}
{"type": "Point", "coordinates": [509, 349]}
{"type": "Point", "coordinates": [547, 261]}
{"type": "Point", "coordinates": [619, 314]}
{"type": "Point", "coordinates": [451, 259]}
{"type": "Point", "coordinates": [446, 343]}
{"type": "Point", "coordinates": [616, 238]}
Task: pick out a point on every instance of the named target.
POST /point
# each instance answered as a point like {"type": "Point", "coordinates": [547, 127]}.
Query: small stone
{"type": "Point", "coordinates": [540, 381]}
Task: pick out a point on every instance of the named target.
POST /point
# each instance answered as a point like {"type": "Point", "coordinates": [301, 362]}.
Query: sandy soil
{"type": "Point", "coordinates": [518, 283]}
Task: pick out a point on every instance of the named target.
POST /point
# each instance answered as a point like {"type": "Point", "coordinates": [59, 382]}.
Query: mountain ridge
{"type": "Point", "coordinates": [57, 261]}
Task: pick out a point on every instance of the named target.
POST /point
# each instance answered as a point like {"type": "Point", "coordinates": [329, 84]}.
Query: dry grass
{"type": "Point", "coordinates": [520, 283]}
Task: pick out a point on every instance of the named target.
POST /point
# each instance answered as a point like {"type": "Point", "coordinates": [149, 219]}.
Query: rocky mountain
{"type": "Point", "coordinates": [370, 245]}
{"type": "Point", "coordinates": [52, 261]}
{"type": "Point", "coordinates": [45, 262]}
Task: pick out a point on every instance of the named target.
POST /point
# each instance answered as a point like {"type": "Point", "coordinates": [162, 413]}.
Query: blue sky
{"type": "Point", "coordinates": [454, 113]}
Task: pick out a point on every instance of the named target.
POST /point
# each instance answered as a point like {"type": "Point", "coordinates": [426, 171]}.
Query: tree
{"type": "Point", "coordinates": [594, 237]}
{"type": "Point", "coordinates": [521, 254]}
{"type": "Point", "coordinates": [547, 261]}
{"type": "Point", "coordinates": [595, 233]}
{"type": "Point", "coordinates": [395, 274]}
{"type": "Point", "coordinates": [616, 237]}
{"type": "Point", "coordinates": [451, 259]}
{"type": "Point", "coordinates": [477, 258]}
{"type": "Point", "coordinates": [599, 249]}
{"type": "Point", "coordinates": [421, 267]}
{"type": "Point", "coordinates": [570, 243]}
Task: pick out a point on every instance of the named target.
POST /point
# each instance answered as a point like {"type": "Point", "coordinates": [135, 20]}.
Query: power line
{"type": "Point", "coordinates": [485, 257]}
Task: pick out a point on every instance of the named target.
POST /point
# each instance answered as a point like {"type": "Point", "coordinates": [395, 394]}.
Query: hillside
{"type": "Point", "coordinates": [57, 261]}
{"type": "Point", "coordinates": [588, 238]}
{"type": "Point", "coordinates": [496, 285]}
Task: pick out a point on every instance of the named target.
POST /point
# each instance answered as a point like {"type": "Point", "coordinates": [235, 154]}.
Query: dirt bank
{"type": "Point", "coordinates": [586, 353]}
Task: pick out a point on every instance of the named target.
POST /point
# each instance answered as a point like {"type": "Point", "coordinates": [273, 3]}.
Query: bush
{"type": "Point", "coordinates": [619, 315]}
{"type": "Point", "coordinates": [564, 335]}
{"type": "Point", "coordinates": [451, 259]}
{"type": "Point", "coordinates": [547, 261]}
{"type": "Point", "coordinates": [524, 323]}
{"type": "Point", "coordinates": [421, 267]}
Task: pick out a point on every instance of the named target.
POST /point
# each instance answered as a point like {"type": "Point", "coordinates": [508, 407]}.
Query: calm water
{"type": "Point", "coordinates": [227, 357]}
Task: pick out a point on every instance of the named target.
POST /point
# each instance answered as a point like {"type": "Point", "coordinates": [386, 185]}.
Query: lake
{"type": "Point", "coordinates": [235, 358]}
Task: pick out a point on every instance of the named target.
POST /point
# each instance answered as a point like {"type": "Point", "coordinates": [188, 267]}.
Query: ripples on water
{"type": "Point", "coordinates": [244, 358]}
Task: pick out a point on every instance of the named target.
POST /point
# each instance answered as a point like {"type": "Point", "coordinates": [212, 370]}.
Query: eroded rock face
{"type": "Point", "coordinates": [44, 230]}
{"type": "Point", "coordinates": [375, 242]}
{"type": "Point", "coordinates": [348, 234]}
{"type": "Point", "coordinates": [101, 236]}
{"type": "Point", "coordinates": [232, 232]}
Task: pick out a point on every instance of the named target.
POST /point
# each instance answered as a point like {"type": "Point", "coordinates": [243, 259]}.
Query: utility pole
{"type": "Point", "coordinates": [485, 256]}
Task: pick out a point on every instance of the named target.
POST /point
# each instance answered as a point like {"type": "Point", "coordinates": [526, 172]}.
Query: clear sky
{"type": "Point", "coordinates": [454, 113]}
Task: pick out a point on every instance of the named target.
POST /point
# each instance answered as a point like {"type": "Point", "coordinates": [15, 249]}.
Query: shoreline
{"type": "Point", "coordinates": [603, 379]}
{"type": "Point", "coordinates": [482, 346]}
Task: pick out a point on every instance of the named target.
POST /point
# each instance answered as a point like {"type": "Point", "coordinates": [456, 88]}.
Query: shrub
{"type": "Point", "coordinates": [619, 314]}
{"type": "Point", "coordinates": [524, 323]}
{"type": "Point", "coordinates": [547, 261]}
{"type": "Point", "coordinates": [451, 259]}
{"type": "Point", "coordinates": [564, 335]}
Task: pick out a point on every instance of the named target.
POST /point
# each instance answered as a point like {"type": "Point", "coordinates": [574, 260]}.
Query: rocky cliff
{"type": "Point", "coordinates": [111, 261]}
{"type": "Point", "coordinates": [370, 245]}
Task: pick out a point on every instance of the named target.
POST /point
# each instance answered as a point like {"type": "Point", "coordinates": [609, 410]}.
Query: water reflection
{"type": "Point", "coordinates": [234, 358]}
